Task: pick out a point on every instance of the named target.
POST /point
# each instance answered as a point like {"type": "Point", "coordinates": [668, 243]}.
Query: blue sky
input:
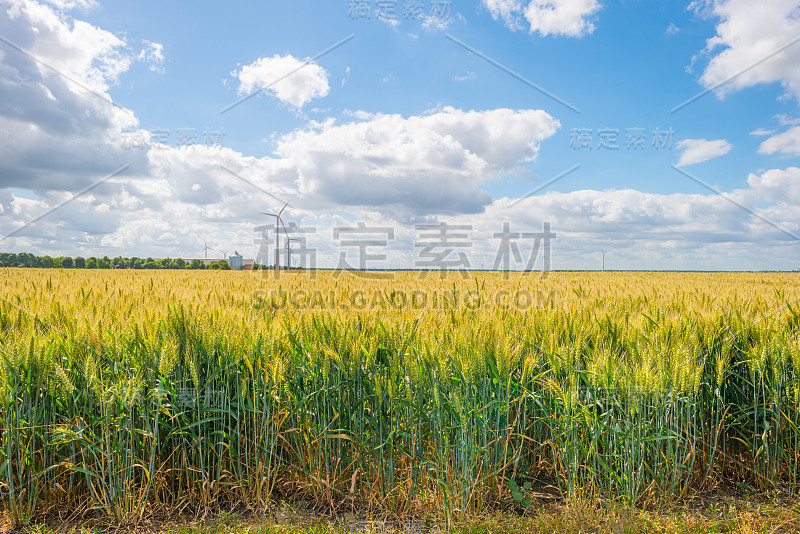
{"type": "Point", "coordinates": [401, 124]}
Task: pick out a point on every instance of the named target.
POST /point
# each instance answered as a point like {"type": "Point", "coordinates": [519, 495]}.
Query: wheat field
{"type": "Point", "coordinates": [127, 392]}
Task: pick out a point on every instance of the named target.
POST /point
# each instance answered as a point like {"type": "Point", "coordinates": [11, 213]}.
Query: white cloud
{"type": "Point", "coordinates": [778, 185]}
{"type": "Point", "coordinates": [700, 150]}
{"type": "Point", "coordinates": [508, 10]}
{"type": "Point", "coordinates": [308, 81]}
{"type": "Point", "coordinates": [74, 48]}
{"type": "Point", "coordinates": [392, 22]}
{"type": "Point", "coordinates": [153, 55]}
{"type": "Point", "coordinates": [468, 76]}
{"type": "Point", "coordinates": [57, 132]}
{"type": "Point", "coordinates": [762, 132]}
{"type": "Point", "coordinates": [433, 163]}
{"type": "Point", "coordinates": [748, 34]}
{"type": "Point", "coordinates": [672, 29]}
{"type": "Point", "coordinates": [436, 23]}
{"type": "Point", "coordinates": [66, 5]}
{"type": "Point", "coordinates": [786, 120]}
{"type": "Point", "coordinates": [786, 143]}
{"type": "Point", "coordinates": [570, 18]}
{"type": "Point", "coordinates": [657, 231]}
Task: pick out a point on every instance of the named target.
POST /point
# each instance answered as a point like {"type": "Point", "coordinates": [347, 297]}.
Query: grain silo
{"type": "Point", "coordinates": [236, 262]}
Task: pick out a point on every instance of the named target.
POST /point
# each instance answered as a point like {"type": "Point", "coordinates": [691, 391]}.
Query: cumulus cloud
{"type": "Point", "coordinates": [700, 150]}
{"type": "Point", "coordinates": [57, 127]}
{"type": "Point", "coordinates": [74, 48]}
{"type": "Point", "coordinates": [420, 164]}
{"type": "Point", "coordinates": [308, 81]}
{"type": "Point", "coordinates": [752, 44]}
{"type": "Point", "coordinates": [777, 185]}
{"type": "Point", "coordinates": [569, 18]}
{"type": "Point", "coordinates": [786, 143]}
{"type": "Point", "coordinates": [654, 231]}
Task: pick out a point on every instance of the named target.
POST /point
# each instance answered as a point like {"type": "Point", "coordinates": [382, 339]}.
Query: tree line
{"type": "Point", "coordinates": [26, 259]}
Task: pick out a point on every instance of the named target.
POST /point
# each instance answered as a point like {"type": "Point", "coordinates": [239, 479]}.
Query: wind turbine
{"type": "Point", "coordinates": [603, 252]}
{"type": "Point", "coordinates": [278, 222]}
{"type": "Point", "coordinates": [205, 249]}
{"type": "Point", "coordinates": [288, 248]}
{"type": "Point", "coordinates": [224, 254]}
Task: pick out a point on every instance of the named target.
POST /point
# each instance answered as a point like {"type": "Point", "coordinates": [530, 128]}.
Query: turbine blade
{"type": "Point", "coordinates": [283, 208]}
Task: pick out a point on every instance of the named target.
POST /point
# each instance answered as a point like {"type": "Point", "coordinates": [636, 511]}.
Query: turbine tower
{"type": "Point", "coordinates": [603, 252]}
{"type": "Point", "coordinates": [278, 222]}
{"type": "Point", "coordinates": [288, 249]}
{"type": "Point", "coordinates": [205, 249]}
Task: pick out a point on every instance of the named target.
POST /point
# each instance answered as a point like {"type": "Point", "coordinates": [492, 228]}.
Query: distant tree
{"type": "Point", "coordinates": [47, 262]}
{"type": "Point", "coordinates": [180, 263]}
{"type": "Point", "coordinates": [91, 263]}
{"type": "Point", "coordinates": [67, 263]}
{"type": "Point", "coordinates": [218, 265]}
{"type": "Point", "coordinates": [150, 263]}
{"type": "Point", "coordinates": [197, 264]}
{"type": "Point", "coordinates": [137, 263]}
{"type": "Point", "coordinates": [104, 263]}
{"type": "Point", "coordinates": [26, 259]}
{"type": "Point", "coordinates": [80, 262]}
{"type": "Point", "coordinates": [167, 263]}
